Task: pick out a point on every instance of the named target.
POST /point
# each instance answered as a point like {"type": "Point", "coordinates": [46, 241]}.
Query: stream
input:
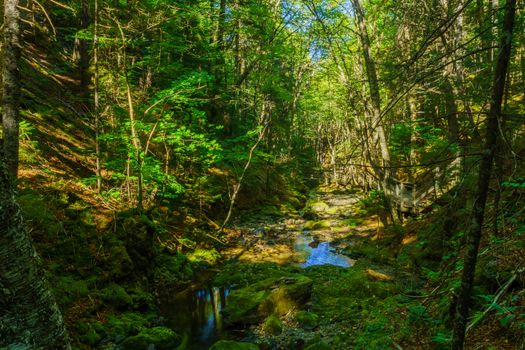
{"type": "Point", "coordinates": [197, 309]}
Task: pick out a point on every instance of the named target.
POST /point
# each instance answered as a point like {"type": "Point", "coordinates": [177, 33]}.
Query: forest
{"type": "Point", "coordinates": [262, 174]}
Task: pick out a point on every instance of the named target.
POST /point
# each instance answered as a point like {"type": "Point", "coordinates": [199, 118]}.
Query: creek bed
{"type": "Point", "coordinates": [197, 310]}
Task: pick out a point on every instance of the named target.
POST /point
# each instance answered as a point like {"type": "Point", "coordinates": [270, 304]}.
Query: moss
{"type": "Point", "coordinates": [319, 346]}
{"type": "Point", "coordinates": [87, 333]}
{"type": "Point", "coordinates": [340, 294]}
{"type": "Point", "coordinates": [273, 325]}
{"type": "Point", "coordinates": [275, 295]}
{"type": "Point", "coordinates": [333, 210]}
{"type": "Point", "coordinates": [271, 210]}
{"type": "Point", "coordinates": [208, 256]}
{"type": "Point", "coordinates": [233, 345]}
{"type": "Point", "coordinates": [318, 206]}
{"type": "Point", "coordinates": [116, 295]}
{"type": "Point", "coordinates": [142, 300]}
{"type": "Point", "coordinates": [172, 268]}
{"type": "Point", "coordinates": [243, 274]}
{"type": "Point", "coordinates": [68, 288]}
{"type": "Point", "coordinates": [352, 222]}
{"type": "Point", "coordinates": [317, 225]}
{"type": "Point", "coordinates": [373, 252]}
{"type": "Point", "coordinates": [307, 320]}
{"type": "Point", "coordinates": [126, 324]}
{"type": "Point", "coordinates": [309, 225]}
{"type": "Point", "coordinates": [161, 337]}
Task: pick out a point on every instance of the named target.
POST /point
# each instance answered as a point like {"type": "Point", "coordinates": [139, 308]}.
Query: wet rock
{"type": "Point", "coordinates": [275, 295]}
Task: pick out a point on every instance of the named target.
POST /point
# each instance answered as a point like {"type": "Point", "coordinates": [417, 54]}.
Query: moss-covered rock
{"type": "Point", "coordinates": [233, 345]}
{"type": "Point", "coordinates": [274, 295]}
{"type": "Point", "coordinates": [206, 256]}
{"type": "Point", "coordinates": [116, 295]}
{"type": "Point", "coordinates": [125, 325]}
{"type": "Point", "coordinates": [317, 225]}
{"type": "Point", "coordinates": [273, 325]}
{"type": "Point", "coordinates": [172, 268]}
{"type": "Point", "coordinates": [307, 320]}
{"type": "Point", "coordinates": [163, 338]}
{"type": "Point", "coordinates": [318, 206]}
{"type": "Point", "coordinates": [319, 346]}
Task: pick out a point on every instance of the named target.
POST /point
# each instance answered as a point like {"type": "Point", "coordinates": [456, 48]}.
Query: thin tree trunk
{"type": "Point", "coordinates": [30, 316]}
{"type": "Point", "coordinates": [485, 170]}
{"type": "Point", "coordinates": [237, 186]}
{"type": "Point", "coordinates": [11, 85]}
{"type": "Point", "coordinates": [132, 118]}
{"type": "Point", "coordinates": [82, 48]}
{"type": "Point", "coordinates": [98, 171]}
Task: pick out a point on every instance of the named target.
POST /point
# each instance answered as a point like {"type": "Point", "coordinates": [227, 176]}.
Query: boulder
{"type": "Point", "coordinates": [161, 337]}
{"type": "Point", "coordinates": [275, 295]}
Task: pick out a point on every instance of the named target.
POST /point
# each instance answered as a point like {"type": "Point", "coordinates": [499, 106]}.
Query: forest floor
{"type": "Point", "coordinates": [311, 279]}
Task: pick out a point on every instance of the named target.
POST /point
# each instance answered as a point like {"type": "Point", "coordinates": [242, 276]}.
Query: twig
{"type": "Point", "coordinates": [502, 290]}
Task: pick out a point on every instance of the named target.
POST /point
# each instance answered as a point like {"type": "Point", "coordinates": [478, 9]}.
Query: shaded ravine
{"type": "Point", "coordinates": [197, 310]}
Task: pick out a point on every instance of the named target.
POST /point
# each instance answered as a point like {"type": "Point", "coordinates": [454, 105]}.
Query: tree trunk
{"type": "Point", "coordinates": [83, 50]}
{"type": "Point", "coordinates": [11, 85]}
{"type": "Point", "coordinates": [96, 95]}
{"type": "Point", "coordinates": [30, 316]}
{"type": "Point", "coordinates": [485, 170]}
{"type": "Point", "coordinates": [381, 168]}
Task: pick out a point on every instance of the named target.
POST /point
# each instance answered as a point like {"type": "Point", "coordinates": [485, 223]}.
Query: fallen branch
{"type": "Point", "coordinates": [501, 291]}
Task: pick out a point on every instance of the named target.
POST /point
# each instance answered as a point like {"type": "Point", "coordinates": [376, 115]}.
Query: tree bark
{"type": "Point", "coordinates": [377, 132]}
{"type": "Point", "coordinates": [83, 49]}
{"type": "Point", "coordinates": [11, 85]}
{"type": "Point", "coordinates": [485, 170]}
{"type": "Point", "coordinates": [96, 98]}
{"type": "Point", "coordinates": [30, 316]}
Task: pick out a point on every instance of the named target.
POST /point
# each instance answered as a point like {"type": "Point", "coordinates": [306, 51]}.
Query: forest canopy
{"type": "Point", "coordinates": [262, 174]}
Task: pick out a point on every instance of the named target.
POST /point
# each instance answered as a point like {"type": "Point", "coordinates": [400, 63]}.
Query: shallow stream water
{"type": "Point", "coordinates": [197, 310]}
{"type": "Point", "coordinates": [319, 253]}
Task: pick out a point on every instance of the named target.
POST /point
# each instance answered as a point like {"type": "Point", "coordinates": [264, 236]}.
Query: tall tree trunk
{"type": "Point", "coordinates": [30, 316]}
{"type": "Point", "coordinates": [135, 140]}
{"type": "Point", "coordinates": [96, 96]}
{"type": "Point", "coordinates": [485, 170]}
{"type": "Point", "coordinates": [382, 168]}
{"type": "Point", "coordinates": [83, 49]}
{"type": "Point", "coordinates": [11, 85]}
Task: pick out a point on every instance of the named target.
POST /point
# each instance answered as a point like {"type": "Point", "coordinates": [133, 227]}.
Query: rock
{"type": "Point", "coordinates": [307, 320]}
{"type": "Point", "coordinates": [378, 276]}
{"type": "Point", "coordinates": [273, 325]}
{"type": "Point", "coordinates": [274, 295]}
{"type": "Point", "coordinates": [161, 337]}
{"type": "Point", "coordinates": [233, 345]}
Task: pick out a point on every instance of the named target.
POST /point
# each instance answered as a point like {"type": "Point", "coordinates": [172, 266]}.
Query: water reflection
{"type": "Point", "coordinates": [197, 311]}
{"type": "Point", "coordinates": [319, 253]}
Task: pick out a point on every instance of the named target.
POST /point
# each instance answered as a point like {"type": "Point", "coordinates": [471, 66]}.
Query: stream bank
{"type": "Point", "coordinates": [290, 283]}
